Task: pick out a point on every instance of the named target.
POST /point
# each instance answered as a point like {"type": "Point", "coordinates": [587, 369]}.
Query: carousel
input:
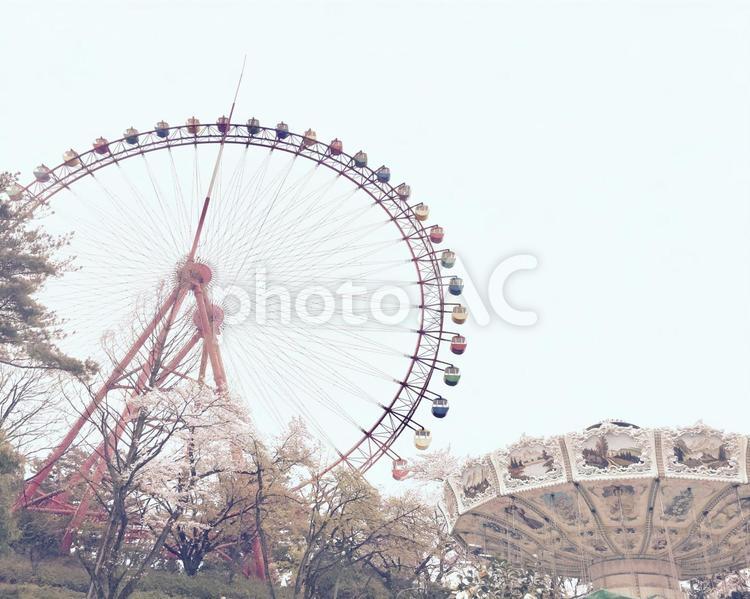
{"type": "Point", "coordinates": [628, 510]}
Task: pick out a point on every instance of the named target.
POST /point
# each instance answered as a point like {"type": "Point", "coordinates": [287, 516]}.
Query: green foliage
{"type": "Point", "coordinates": [500, 579]}
{"type": "Point", "coordinates": [28, 330]}
{"type": "Point", "coordinates": [66, 576]}
{"type": "Point", "coordinates": [64, 572]}
{"type": "Point", "coordinates": [201, 586]}
{"type": "Point", "coordinates": [10, 483]}
{"type": "Point", "coordinates": [39, 535]}
{"type": "Point", "coordinates": [33, 591]}
{"type": "Point", "coordinates": [352, 582]}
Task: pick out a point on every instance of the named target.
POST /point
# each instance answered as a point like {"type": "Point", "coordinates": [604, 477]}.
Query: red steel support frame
{"type": "Point", "coordinates": [165, 316]}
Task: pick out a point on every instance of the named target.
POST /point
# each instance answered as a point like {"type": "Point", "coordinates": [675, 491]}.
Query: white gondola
{"type": "Point", "coordinates": [422, 212]}
{"type": "Point", "coordinates": [309, 138]}
{"type": "Point", "coordinates": [459, 314]}
{"type": "Point", "coordinates": [422, 439]}
{"type": "Point", "coordinates": [70, 158]}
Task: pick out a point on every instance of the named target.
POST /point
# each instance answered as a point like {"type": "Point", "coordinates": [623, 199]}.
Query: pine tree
{"type": "Point", "coordinates": [29, 330]}
{"type": "Point", "coordinates": [10, 480]}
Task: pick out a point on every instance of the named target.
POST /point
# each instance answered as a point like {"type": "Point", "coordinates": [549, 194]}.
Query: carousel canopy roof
{"type": "Point", "coordinates": [613, 491]}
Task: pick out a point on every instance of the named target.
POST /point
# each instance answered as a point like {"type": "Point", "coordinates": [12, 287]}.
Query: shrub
{"type": "Point", "coordinates": [205, 585]}
{"type": "Point", "coordinates": [32, 591]}
{"type": "Point", "coordinates": [68, 577]}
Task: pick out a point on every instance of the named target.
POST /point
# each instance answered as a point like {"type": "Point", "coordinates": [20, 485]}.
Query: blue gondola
{"type": "Point", "coordinates": [439, 407]}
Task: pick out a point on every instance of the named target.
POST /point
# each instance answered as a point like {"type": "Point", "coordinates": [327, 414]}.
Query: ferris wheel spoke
{"type": "Point", "coordinates": [251, 240]}
{"type": "Point", "coordinates": [309, 385]}
{"type": "Point", "coordinates": [162, 203]}
{"type": "Point", "coordinates": [109, 230]}
{"type": "Point", "coordinates": [144, 206]}
{"type": "Point", "coordinates": [324, 344]}
{"type": "Point", "coordinates": [283, 392]}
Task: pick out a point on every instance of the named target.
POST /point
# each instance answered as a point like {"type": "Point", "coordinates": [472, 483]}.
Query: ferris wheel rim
{"type": "Point", "coordinates": [375, 442]}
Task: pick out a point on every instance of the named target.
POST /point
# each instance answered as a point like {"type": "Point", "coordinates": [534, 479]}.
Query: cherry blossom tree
{"type": "Point", "coordinates": [160, 459]}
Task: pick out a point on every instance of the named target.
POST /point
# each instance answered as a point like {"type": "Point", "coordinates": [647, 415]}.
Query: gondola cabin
{"type": "Point", "coordinates": [451, 376]}
{"type": "Point", "coordinates": [42, 173]}
{"type": "Point", "coordinates": [253, 126]}
{"type": "Point", "coordinates": [455, 285]}
{"type": "Point", "coordinates": [336, 147]}
{"type": "Point", "coordinates": [440, 407]}
{"type": "Point", "coordinates": [282, 130]}
{"type": "Point", "coordinates": [222, 124]}
{"type": "Point", "coordinates": [101, 145]}
{"type": "Point", "coordinates": [458, 344]}
{"type": "Point", "coordinates": [422, 212]}
{"type": "Point", "coordinates": [193, 126]}
{"type": "Point", "coordinates": [400, 469]}
{"type": "Point", "coordinates": [403, 191]}
{"type": "Point", "coordinates": [422, 439]}
{"type": "Point", "coordinates": [448, 259]}
{"type": "Point", "coordinates": [309, 138]}
{"type": "Point", "coordinates": [162, 129]}
{"type": "Point", "coordinates": [437, 234]}
{"type": "Point", "coordinates": [70, 158]}
{"type": "Point", "coordinates": [131, 136]}
{"type": "Point", "coordinates": [360, 159]}
{"type": "Point", "coordinates": [459, 314]}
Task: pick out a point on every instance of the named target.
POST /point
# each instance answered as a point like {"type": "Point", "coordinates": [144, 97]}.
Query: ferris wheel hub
{"type": "Point", "coordinates": [194, 273]}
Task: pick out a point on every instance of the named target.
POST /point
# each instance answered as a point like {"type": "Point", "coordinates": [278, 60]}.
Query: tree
{"type": "Point", "coordinates": [155, 475]}
{"type": "Point", "coordinates": [28, 259]}
{"type": "Point", "coordinates": [10, 483]}
{"type": "Point", "coordinates": [39, 536]}
{"type": "Point", "coordinates": [30, 407]}
{"type": "Point", "coordinates": [349, 526]}
{"type": "Point", "coordinates": [725, 585]}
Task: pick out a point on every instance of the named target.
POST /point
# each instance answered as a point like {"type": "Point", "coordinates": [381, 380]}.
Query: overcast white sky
{"type": "Point", "coordinates": [611, 139]}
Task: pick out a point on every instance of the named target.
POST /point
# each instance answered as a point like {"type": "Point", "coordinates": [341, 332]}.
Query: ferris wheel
{"type": "Point", "coordinates": [314, 287]}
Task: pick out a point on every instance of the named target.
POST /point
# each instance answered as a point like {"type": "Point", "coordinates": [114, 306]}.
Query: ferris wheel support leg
{"type": "Point", "coordinates": [83, 508]}
{"type": "Point", "coordinates": [209, 339]}
{"type": "Point", "coordinates": [97, 458]}
{"type": "Point", "coordinates": [259, 559]}
{"type": "Point", "coordinates": [90, 462]}
{"type": "Point", "coordinates": [203, 364]}
{"type": "Point", "coordinates": [111, 441]}
{"type": "Point", "coordinates": [213, 354]}
{"type": "Point", "coordinates": [170, 307]}
{"type": "Point", "coordinates": [169, 368]}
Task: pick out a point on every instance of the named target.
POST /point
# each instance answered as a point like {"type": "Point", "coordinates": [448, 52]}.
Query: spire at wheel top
{"type": "Point", "coordinates": [202, 218]}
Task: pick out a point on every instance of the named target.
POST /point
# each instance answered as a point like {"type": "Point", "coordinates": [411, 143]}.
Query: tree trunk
{"type": "Point", "coordinates": [261, 533]}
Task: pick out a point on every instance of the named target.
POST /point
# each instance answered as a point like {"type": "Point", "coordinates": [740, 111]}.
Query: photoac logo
{"type": "Point", "coordinates": [497, 293]}
{"type": "Point", "coordinates": [354, 304]}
